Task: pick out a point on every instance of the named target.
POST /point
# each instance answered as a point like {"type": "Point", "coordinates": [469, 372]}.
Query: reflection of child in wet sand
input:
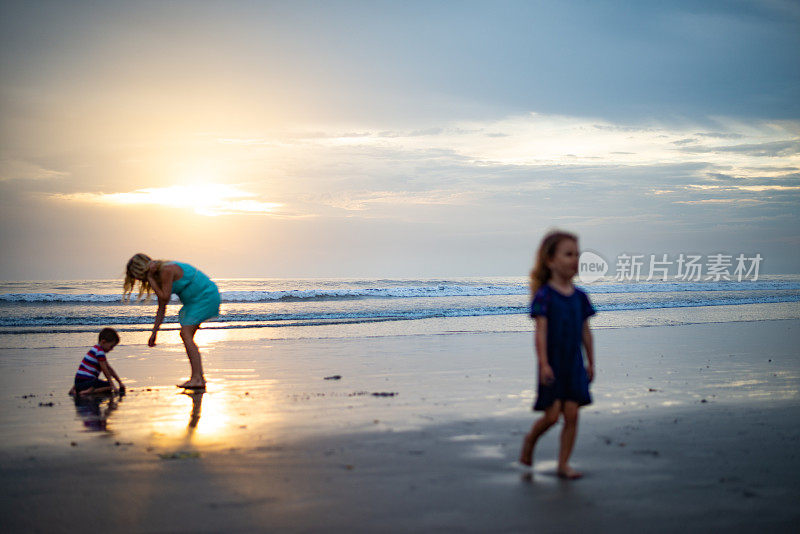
{"type": "Point", "coordinates": [94, 410]}
{"type": "Point", "coordinates": [561, 312]}
{"type": "Point", "coordinates": [86, 379]}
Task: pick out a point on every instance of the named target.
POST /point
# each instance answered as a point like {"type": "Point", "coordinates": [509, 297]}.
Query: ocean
{"type": "Point", "coordinates": [68, 313]}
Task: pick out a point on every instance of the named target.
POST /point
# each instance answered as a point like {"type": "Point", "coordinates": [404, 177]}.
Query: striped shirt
{"type": "Point", "coordinates": [90, 365]}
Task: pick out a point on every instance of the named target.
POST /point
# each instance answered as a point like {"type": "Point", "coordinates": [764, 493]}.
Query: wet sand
{"type": "Point", "coordinates": [694, 428]}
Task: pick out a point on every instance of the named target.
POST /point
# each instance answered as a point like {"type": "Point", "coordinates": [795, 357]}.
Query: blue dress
{"type": "Point", "coordinates": [565, 317]}
{"type": "Point", "coordinates": [198, 294]}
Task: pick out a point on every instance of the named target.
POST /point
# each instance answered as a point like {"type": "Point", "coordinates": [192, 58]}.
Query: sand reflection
{"type": "Point", "coordinates": [197, 406]}
{"type": "Point", "coordinates": [212, 422]}
{"type": "Point", "coordinates": [196, 418]}
{"type": "Point", "coordinates": [229, 414]}
{"type": "Point", "coordinates": [94, 411]}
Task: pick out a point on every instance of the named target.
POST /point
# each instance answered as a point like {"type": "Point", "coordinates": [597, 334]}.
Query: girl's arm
{"type": "Point", "coordinates": [588, 344]}
{"type": "Point", "coordinates": [163, 291]}
{"type": "Point", "coordinates": [546, 375]}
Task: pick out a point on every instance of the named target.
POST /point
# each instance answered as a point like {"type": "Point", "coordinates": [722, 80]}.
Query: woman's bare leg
{"type": "Point", "coordinates": [541, 426]}
{"type": "Point", "coordinates": [195, 361]}
{"type": "Point", "coordinates": [568, 435]}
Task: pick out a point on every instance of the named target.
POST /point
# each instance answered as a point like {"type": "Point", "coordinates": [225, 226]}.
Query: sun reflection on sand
{"type": "Point", "coordinates": [192, 418]}
{"type": "Point", "coordinates": [227, 415]}
{"type": "Point", "coordinates": [207, 337]}
{"type": "Point", "coordinates": [212, 421]}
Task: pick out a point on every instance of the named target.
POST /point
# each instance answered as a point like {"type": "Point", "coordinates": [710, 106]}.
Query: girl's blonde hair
{"type": "Point", "coordinates": [136, 271]}
{"type": "Point", "coordinates": [540, 274]}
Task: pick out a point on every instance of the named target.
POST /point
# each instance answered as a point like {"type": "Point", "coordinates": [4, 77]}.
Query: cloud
{"type": "Point", "coordinates": [242, 141]}
{"type": "Point", "coordinates": [362, 200]}
{"type": "Point", "coordinates": [25, 170]}
{"type": "Point", "coordinates": [772, 149]}
{"type": "Point", "coordinates": [203, 199]}
{"type": "Point", "coordinates": [527, 167]}
{"type": "Point", "coordinates": [719, 135]}
{"type": "Point", "coordinates": [734, 187]}
{"type": "Point", "coordinates": [720, 201]}
{"type": "Point", "coordinates": [506, 170]}
{"type": "Point", "coordinates": [541, 140]}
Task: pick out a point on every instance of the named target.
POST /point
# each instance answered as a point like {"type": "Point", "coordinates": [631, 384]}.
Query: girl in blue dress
{"type": "Point", "coordinates": [561, 312]}
{"type": "Point", "coordinates": [198, 294]}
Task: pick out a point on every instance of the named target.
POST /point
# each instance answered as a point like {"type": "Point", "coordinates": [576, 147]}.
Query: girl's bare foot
{"type": "Point", "coordinates": [569, 473]}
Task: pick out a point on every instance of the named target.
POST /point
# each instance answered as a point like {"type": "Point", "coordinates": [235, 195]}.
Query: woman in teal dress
{"type": "Point", "coordinates": [198, 294]}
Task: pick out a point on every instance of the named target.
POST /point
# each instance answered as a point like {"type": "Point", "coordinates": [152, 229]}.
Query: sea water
{"type": "Point", "coordinates": [67, 313]}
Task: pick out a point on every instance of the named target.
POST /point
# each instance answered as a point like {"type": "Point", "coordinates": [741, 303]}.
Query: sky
{"type": "Point", "coordinates": [394, 139]}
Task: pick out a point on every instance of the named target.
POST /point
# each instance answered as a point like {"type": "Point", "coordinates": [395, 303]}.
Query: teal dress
{"type": "Point", "coordinates": [198, 294]}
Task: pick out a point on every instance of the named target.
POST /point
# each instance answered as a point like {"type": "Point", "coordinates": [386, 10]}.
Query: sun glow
{"type": "Point", "coordinates": [190, 418]}
{"type": "Point", "coordinates": [204, 199]}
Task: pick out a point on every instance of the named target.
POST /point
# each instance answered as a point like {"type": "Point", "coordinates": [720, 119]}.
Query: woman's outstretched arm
{"type": "Point", "coordinates": [162, 309]}
{"type": "Point", "coordinates": [163, 290]}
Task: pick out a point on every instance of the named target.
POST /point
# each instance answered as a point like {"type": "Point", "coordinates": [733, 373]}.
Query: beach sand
{"type": "Point", "coordinates": [694, 428]}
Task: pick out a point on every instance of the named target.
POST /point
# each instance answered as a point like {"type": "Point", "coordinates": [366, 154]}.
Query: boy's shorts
{"type": "Point", "coordinates": [81, 384]}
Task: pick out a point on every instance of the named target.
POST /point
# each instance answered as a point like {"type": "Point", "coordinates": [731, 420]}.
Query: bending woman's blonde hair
{"type": "Point", "coordinates": [136, 271]}
{"type": "Point", "coordinates": [540, 274]}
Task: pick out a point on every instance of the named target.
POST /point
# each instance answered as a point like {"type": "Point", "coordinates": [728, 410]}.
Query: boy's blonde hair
{"type": "Point", "coordinates": [136, 271]}
{"type": "Point", "coordinates": [540, 274]}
